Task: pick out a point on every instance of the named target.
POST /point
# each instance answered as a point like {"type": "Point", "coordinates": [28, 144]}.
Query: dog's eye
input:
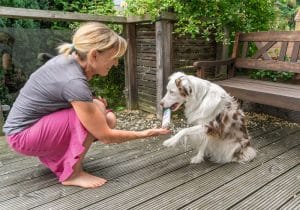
{"type": "Point", "coordinates": [171, 92]}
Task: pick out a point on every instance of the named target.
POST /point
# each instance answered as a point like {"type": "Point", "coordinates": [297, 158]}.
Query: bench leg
{"type": "Point", "coordinates": [1, 121]}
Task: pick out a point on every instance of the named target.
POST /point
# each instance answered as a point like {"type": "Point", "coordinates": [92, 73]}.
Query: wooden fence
{"type": "Point", "coordinates": [154, 51]}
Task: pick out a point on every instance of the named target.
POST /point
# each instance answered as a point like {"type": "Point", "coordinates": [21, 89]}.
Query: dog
{"type": "Point", "coordinates": [218, 126]}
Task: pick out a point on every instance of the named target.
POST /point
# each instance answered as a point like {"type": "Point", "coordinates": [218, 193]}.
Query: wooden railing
{"type": "Point", "coordinates": [163, 41]}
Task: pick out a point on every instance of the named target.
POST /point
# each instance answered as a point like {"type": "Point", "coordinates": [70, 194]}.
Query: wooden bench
{"type": "Point", "coordinates": [279, 94]}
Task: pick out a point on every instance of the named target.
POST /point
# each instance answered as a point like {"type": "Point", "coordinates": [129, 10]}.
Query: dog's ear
{"type": "Point", "coordinates": [183, 86]}
{"type": "Point", "coordinates": [178, 82]}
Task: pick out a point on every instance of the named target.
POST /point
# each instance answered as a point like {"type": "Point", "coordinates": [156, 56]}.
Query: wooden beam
{"type": "Point", "coordinates": [21, 13]}
{"type": "Point", "coordinates": [131, 88]}
{"type": "Point", "coordinates": [163, 29]}
{"type": "Point", "coordinates": [148, 18]}
{"type": "Point", "coordinates": [139, 19]}
{"type": "Point", "coordinates": [199, 64]}
{"type": "Point", "coordinates": [262, 50]}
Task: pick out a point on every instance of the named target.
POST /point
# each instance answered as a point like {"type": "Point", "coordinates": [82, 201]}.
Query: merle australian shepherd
{"type": "Point", "coordinates": [218, 127]}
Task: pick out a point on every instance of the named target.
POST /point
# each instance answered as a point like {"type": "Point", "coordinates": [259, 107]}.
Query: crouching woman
{"type": "Point", "coordinates": [55, 117]}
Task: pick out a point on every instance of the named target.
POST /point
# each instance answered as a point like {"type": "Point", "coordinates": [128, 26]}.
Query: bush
{"type": "Point", "coordinates": [111, 87]}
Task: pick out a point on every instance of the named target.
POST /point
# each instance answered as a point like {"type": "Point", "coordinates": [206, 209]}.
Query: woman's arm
{"type": "Point", "coordinates": [95, 122]}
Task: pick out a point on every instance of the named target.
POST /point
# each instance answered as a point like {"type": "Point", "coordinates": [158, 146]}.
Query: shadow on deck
{"type": "Point", "coordinates": [144, 175]}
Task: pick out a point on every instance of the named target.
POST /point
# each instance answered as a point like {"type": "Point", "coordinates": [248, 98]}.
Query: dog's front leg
{"type": "Point", "coordinates": [202, 143]}
{"type": "Point", "coordinates": [184, 133]}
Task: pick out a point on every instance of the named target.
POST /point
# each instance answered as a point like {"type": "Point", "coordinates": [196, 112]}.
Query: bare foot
{"type": "Point", "coordinates": [85, 180]}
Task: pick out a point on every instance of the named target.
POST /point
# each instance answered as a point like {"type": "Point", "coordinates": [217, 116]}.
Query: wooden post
{"type": "Point", "coordinates": [131, 90]}
{"type": "Point", "coordinates": [164, 51]}
{"type": "Point", "coordinates": [1, 121]}
{"type": "Point", "coordinates": [297, 28]}
{"type": "Point", "coordinates": [297, 21]}
{"type": "Point", "coordinates": [222, 54]}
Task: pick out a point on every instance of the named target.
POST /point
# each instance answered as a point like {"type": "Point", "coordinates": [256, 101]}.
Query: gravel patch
{"type": "Point", "coordinates": [140, 120]}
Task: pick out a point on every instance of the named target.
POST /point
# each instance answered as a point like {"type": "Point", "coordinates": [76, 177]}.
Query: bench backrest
{"type": "Point", "coordinates": [277, 51]}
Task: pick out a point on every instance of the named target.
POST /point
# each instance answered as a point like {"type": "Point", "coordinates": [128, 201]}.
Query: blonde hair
{"type": "Point", "coordinates": [94, 35]}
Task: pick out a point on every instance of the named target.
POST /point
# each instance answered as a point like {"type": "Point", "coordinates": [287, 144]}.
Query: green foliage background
{"type": "Point", "coordinates": [212, 17]}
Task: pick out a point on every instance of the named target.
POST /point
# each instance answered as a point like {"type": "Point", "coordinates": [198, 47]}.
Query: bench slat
{"type": "Point", "coordinates": [288, 86]}
{"type": "Point", "coordinates": [283, 50]}
{"type": "Point", "coordinates": [262, 87]}
{"type": "Point", "coordinates": [263, 93]}
{"type": "Point", "coordinates": [274, 65]}
{"type": "Point", "coordinates": [295, 52]}
{"type": "Point", "coordinates": [269, 36]}
{"type": "Point", "coordinates": [245, 49]}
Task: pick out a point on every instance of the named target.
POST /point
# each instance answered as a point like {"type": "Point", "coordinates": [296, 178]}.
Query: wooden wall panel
{"type": "Point", "coordinates": [151, 76]}
{"type": "Point", "coordinates": [146, 66]}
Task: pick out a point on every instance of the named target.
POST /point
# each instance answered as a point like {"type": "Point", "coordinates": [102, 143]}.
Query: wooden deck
{"type": "Point", "coordinates": [144, 175]}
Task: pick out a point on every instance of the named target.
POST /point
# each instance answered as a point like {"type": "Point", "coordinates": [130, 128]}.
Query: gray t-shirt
{"type": "Point", "coordinates": [52, 87]}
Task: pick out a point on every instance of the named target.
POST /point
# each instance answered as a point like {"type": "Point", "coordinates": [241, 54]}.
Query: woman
{"type": "Point", "coordinates": [55, 116]}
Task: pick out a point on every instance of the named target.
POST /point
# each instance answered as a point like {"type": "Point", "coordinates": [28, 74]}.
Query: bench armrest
{"type": "Point", "coordinates": [199, 64]}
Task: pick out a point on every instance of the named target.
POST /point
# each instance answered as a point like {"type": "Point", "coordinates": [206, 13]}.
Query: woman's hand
{"type": "Point", "coordinates": [156, 132]}
{"type": "Point", "coordinates": [94, 120]}
{"type": "Point", "coordinates": [103, 100]}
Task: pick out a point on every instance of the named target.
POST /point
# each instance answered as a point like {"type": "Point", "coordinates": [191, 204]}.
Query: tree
{"type": "Point", "coordinates": [211, 17]}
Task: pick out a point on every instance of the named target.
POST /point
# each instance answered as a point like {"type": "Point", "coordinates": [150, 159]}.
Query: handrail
{"type": "Point", "coordinates": [23, 13]}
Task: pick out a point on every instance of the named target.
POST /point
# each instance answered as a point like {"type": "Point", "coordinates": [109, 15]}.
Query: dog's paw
{"type": "Point", "coordinates": [196, 159]}
{"type": "Point", "coordinates": [171, 142]}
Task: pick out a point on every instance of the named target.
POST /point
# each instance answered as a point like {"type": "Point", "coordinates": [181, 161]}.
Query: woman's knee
{"type": "Point", "coordinates": [111, 119]}
{"type": "Point", "coordinates": [100, 105]}
{"type": "Point", "coordinates": [110, 116]}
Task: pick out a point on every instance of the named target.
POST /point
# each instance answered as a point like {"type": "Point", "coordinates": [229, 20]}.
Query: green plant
{"type": "Point", "coordinates": [111, 87]}
{"type": "Point", "coordinates": [286, 10]}
{"type": "Point", "coordinates": [271, 75]}
{"type": "Point", "coordinates": [211, 17]}
{"type": "Point", "coordinates": [5, 97]}
{"type": "Point", "coordinates": [17, 23]}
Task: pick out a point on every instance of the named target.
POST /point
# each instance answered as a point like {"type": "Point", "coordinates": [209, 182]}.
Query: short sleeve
{"type": "Point", "coordinates": [77, 90]}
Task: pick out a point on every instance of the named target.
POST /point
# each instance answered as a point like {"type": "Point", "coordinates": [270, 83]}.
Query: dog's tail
{"type": "Point", "coordinates": [247, 154]}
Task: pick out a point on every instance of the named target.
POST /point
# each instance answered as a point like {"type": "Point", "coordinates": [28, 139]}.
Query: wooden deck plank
{"type": "Point", "coordinates": [203, 185]}
{"type": "Point", "coordinates": [246, 184]}
{"type": "Point", "coordinates": [141, 193]}
{"type": "Point", "coordinates": [57, 194]}
{"type": "Point", "coordinates": [293, 203]}
{"type": "Point", "coordinates": [283, 188]}
{"type": "Point", "coordinates": [125, 197]}
{"type": "Point", "coordinates": [141, 167]}
{"type": "Point", "coordinates": [96, 164]}
{"type": "Point", "coordinates": [97, 152]}
{"type": "Point", "coordinates": [36, 184]}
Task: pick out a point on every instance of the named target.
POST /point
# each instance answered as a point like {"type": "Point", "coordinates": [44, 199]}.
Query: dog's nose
{"type": "Point", "coordinates": [161, 103]}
